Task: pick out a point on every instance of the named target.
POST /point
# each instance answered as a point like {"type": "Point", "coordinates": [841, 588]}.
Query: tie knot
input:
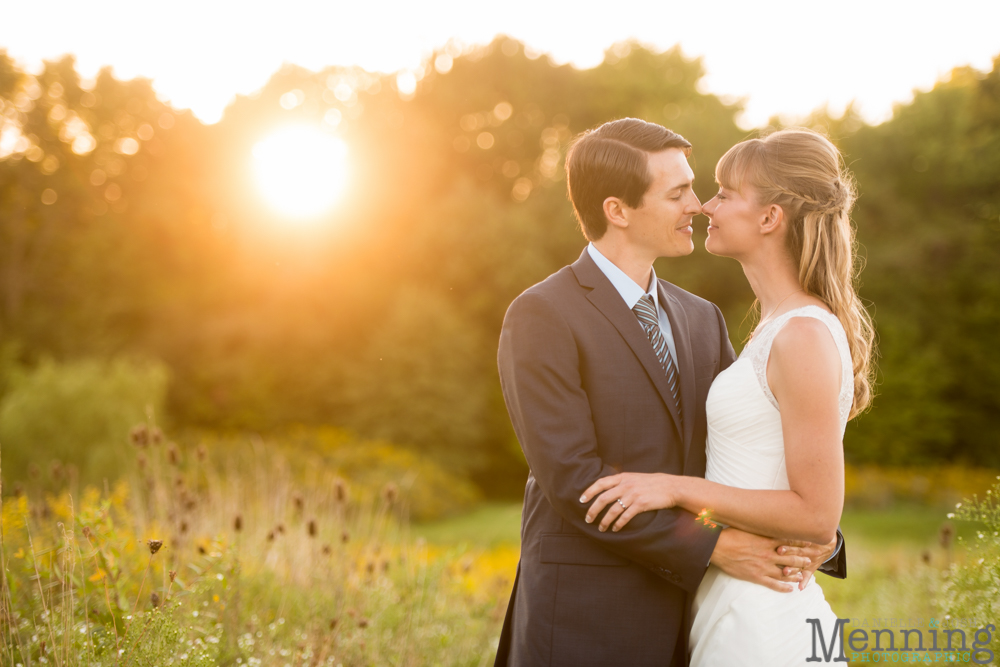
{"type": "Point", "coordinates": [645, 310]}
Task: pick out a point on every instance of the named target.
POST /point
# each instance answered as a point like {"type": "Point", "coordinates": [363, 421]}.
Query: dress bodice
{"type": "Point", "coordinates": [745, 443]}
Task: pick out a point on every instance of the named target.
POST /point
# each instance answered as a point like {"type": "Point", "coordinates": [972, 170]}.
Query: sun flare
{"type": "Point", "coordinates": [301, 171]}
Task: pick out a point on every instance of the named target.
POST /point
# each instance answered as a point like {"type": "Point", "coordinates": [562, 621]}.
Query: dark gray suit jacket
{"type": "Point", "coordinates": [588, 398]}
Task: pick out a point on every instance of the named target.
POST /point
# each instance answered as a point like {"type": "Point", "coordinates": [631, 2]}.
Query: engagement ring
{"type": "Point", "coordinates": [622, 504]}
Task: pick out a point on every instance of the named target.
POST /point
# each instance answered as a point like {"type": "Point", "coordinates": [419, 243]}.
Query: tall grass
{"type": "Point", "coordinates": [238, 561]}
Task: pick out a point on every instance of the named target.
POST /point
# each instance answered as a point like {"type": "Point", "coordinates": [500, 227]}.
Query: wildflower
{"type": "Point", "coordinates": [333, 623]}
{"type": "Point", "coordinates": [173, 455]}
{"type": "Point", "coordinates": [926, 557]}
{"type": "Point", "coordinates": [362, 622]}
{"type": "Point", "coordinates": [345, 537]}
{"type": "Point", "coordinates": [154, 545]}
{"type": "Point", "coordinates": [87, 532]}
{"type": "Point", "coordinates": [201, 550]}
{"type": "Point", "coordinates": [139, 435]}
{"type": "Point", "coordinates": [341, 489]}
{"type": "Point", "coordinates": [18, 490]}
{"type": "Point", "coordinates": [184, 527]}
{"type": "Point", "coordinates": [154, 597]}
{"type": "Point", "coordinates": [385, 566]}
{"type": "Point", "coordinates": [327, 550]}
{"type": "Point", "coordinates": [312, 528]}
{"type": "Point", "coordinates": [370, 567]}
{"type": "Point", "coordinates": [238, 523]}
{"type": "Point", "coordinates": [280, 528]}
{"type": "Point", "coordinates": [173, 574]}
{"type": "Point", "coordinates": [56, 471]}
{"type": "Point", "coordinates": [33, 471]}
{"type": "Point", "coordinates": [298, 502]}
{"type": "Point", "coordinates": [141, 461]}
{"type": "Point", "coordinates": [155, 435]}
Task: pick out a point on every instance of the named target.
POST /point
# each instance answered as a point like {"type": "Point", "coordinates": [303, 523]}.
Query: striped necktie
{"type": "Point", "coordinates": [645, 310]}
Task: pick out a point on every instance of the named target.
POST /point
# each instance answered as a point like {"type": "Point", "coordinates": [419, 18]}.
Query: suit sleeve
{"type": "Point", "coordinates": [542, 386]}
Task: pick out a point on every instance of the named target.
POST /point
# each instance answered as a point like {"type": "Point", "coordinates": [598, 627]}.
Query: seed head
{"type": "Point", "coordinates": [18, 490]}
{"type": "Point", "coordinates": [33, 471]}
{"type": "Point", "coordinates": [362, 622]}
{"type": "Point", "coordinates": [238, 523]}
{"type": "Point", "coordinates": [172, 454]}
{"type": "Point", "coordinates": [280, 528]}
{"type": "Point", "coordinates": [946, 534]}
{"type": "Point", "coordinates": [270, 536]}
{"type": "Point", "coordinates": [333, 623]}
{"type": "Point", "coordinates": [312, 528]}
{"type": "Point", "coordinates": [201, 550]}
{"type": "Point", "coordinates": [327, 550]}
{"type": "Point", "coordinates": [370, 567]}
{"type": "Point", "coordinates": [154, 545]}
{"type": "Point", "coordinates": [56, 471]}
{"type": "Point", "coordinates": [926, 557]}
{"type": "Point", "coordinates": [345, 537]}
{"type": "Point", "coordinates": [154, 597]}
{"type": "Point", "coordinates": [173, 575]}
{"type": "Point", "coordinates": [390, 493]}
{"type": "Point", "coordinates": [141, 461]}
{"type": "Point", "coordinates": [201, 452]}
{"type": "Point", "coordinates": [87, 532]}
{"type": "Point", "coordinates": [184, 527]}
{"type": "Point", "coordinates": [298, 502]}
{"type": "Point", "coordinates": [139, 435]}
{"type": "Point", "coordinates": [155, 435]}
{"type": "Point", "coordinates": [341, 491]}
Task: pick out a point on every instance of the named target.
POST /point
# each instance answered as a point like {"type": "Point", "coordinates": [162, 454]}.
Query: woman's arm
{"type": "Point", "coordinates": [804, 375]}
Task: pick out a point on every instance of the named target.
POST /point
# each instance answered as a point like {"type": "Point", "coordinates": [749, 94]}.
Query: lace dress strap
{"type": "Point", "coordinates": [758, 350]}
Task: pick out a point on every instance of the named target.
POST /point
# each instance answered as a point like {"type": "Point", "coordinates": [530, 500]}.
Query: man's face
{"type": "Point", "coordinates": [661, 225]}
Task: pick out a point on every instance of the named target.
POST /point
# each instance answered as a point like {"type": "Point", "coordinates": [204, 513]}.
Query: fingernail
{"type": "Point", "coordinates": [781, 550]}
{"type": "Point", "coordinates": [589, 519]}
{"type": "Point", "coordinates": [583, 499]}
{"type": "Point", "coordinates": [615, 529]}
{"type": "Point", "coordinates": [602, 529]}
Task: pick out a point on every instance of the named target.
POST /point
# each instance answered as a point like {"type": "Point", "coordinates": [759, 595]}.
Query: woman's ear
{"type": "Point", "coordinates": [773, 220]}
{"type": "Point", "coordinates": [614, 211]}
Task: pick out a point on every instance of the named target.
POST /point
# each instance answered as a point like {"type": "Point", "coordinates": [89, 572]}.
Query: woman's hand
{"type": "Point", "coordinates": [628, 493]}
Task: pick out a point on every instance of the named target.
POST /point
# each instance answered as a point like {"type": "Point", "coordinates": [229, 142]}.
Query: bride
{"type": "Point", "coordinates": [776, 417]}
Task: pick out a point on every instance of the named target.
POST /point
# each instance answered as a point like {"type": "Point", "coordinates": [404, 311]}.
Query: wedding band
{"type": "Point", "coordinates": [622, 504]}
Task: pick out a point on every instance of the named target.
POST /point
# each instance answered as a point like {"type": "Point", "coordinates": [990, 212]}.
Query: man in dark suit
{"type": "Point", "coordinates": [605, 368]}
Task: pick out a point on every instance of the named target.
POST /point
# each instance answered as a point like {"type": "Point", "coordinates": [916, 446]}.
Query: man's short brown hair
{"type": "Point", "coordinates": [613, 161]}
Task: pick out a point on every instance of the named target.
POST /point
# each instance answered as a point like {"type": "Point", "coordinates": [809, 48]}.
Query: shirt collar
{"type": "Point", "coordinates": [626, 287]}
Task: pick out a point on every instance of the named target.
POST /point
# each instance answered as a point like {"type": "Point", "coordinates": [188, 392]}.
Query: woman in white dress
{"type": "Point", "coordinates": [776, 416]}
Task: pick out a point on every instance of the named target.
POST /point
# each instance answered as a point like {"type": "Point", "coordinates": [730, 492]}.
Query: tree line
{"type": "Point", "coordinates": [129, 228]}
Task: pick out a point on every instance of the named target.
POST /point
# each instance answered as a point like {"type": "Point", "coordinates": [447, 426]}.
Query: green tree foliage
{"type": "Point", "coordinates": [384, 316]}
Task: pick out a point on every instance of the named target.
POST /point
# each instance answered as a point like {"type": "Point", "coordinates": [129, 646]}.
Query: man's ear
{"type": "Point", "coordinates": [773, 220]}
{"type": "Point", "coordinates": [614, 211]}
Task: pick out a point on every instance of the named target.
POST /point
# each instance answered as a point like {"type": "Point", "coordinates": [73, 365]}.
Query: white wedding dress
{"type": "Point", "coordinates": [737, 622]}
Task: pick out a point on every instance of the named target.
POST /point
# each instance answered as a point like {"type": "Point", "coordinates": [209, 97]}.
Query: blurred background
{"type": "Point", "coordinates": [323, 269]}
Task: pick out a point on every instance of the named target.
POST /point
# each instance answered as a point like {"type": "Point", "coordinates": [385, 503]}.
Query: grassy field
{"type": "Point", "coordinates": [895, 556]}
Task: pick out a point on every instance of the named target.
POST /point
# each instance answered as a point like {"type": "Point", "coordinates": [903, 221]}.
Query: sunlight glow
{"type": "Point", "coordinates": [301, 171]}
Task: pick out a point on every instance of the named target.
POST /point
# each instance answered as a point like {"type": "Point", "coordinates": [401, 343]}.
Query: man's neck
{"type": "Point", "coordinates": [625, 257]}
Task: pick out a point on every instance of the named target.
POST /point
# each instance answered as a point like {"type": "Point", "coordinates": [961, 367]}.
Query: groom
{"type": "Point", "coordinates": [605, 368]}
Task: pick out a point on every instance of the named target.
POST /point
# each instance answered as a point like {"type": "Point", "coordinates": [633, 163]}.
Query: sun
{"type": "Point", "coordinates": [301, 171]}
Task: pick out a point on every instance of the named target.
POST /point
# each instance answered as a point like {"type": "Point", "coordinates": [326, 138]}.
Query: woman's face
{"type": "Point", "coordinates": [734, 222]}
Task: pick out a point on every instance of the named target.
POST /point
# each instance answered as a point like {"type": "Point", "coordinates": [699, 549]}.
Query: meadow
{"type": "Point", "coordinates": [266, 558]}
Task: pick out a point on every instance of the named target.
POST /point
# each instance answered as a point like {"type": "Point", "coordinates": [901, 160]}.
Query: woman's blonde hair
{"type": "Point", "coordinates": [804, 174]}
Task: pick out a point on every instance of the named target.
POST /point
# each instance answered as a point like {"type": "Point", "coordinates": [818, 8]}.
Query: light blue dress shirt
{"type": "Point", "coordinates": [631, 292]}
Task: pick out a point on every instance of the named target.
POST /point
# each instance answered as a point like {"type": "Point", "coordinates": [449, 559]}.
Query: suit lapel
{"type": "Point", "coordinates": [606, 299]}
{"type": "Point", "coordinates": [685, 361]}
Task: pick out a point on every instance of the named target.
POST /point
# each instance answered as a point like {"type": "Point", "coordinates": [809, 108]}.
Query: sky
{"type": "Point", "coordinates": [785, 57]}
